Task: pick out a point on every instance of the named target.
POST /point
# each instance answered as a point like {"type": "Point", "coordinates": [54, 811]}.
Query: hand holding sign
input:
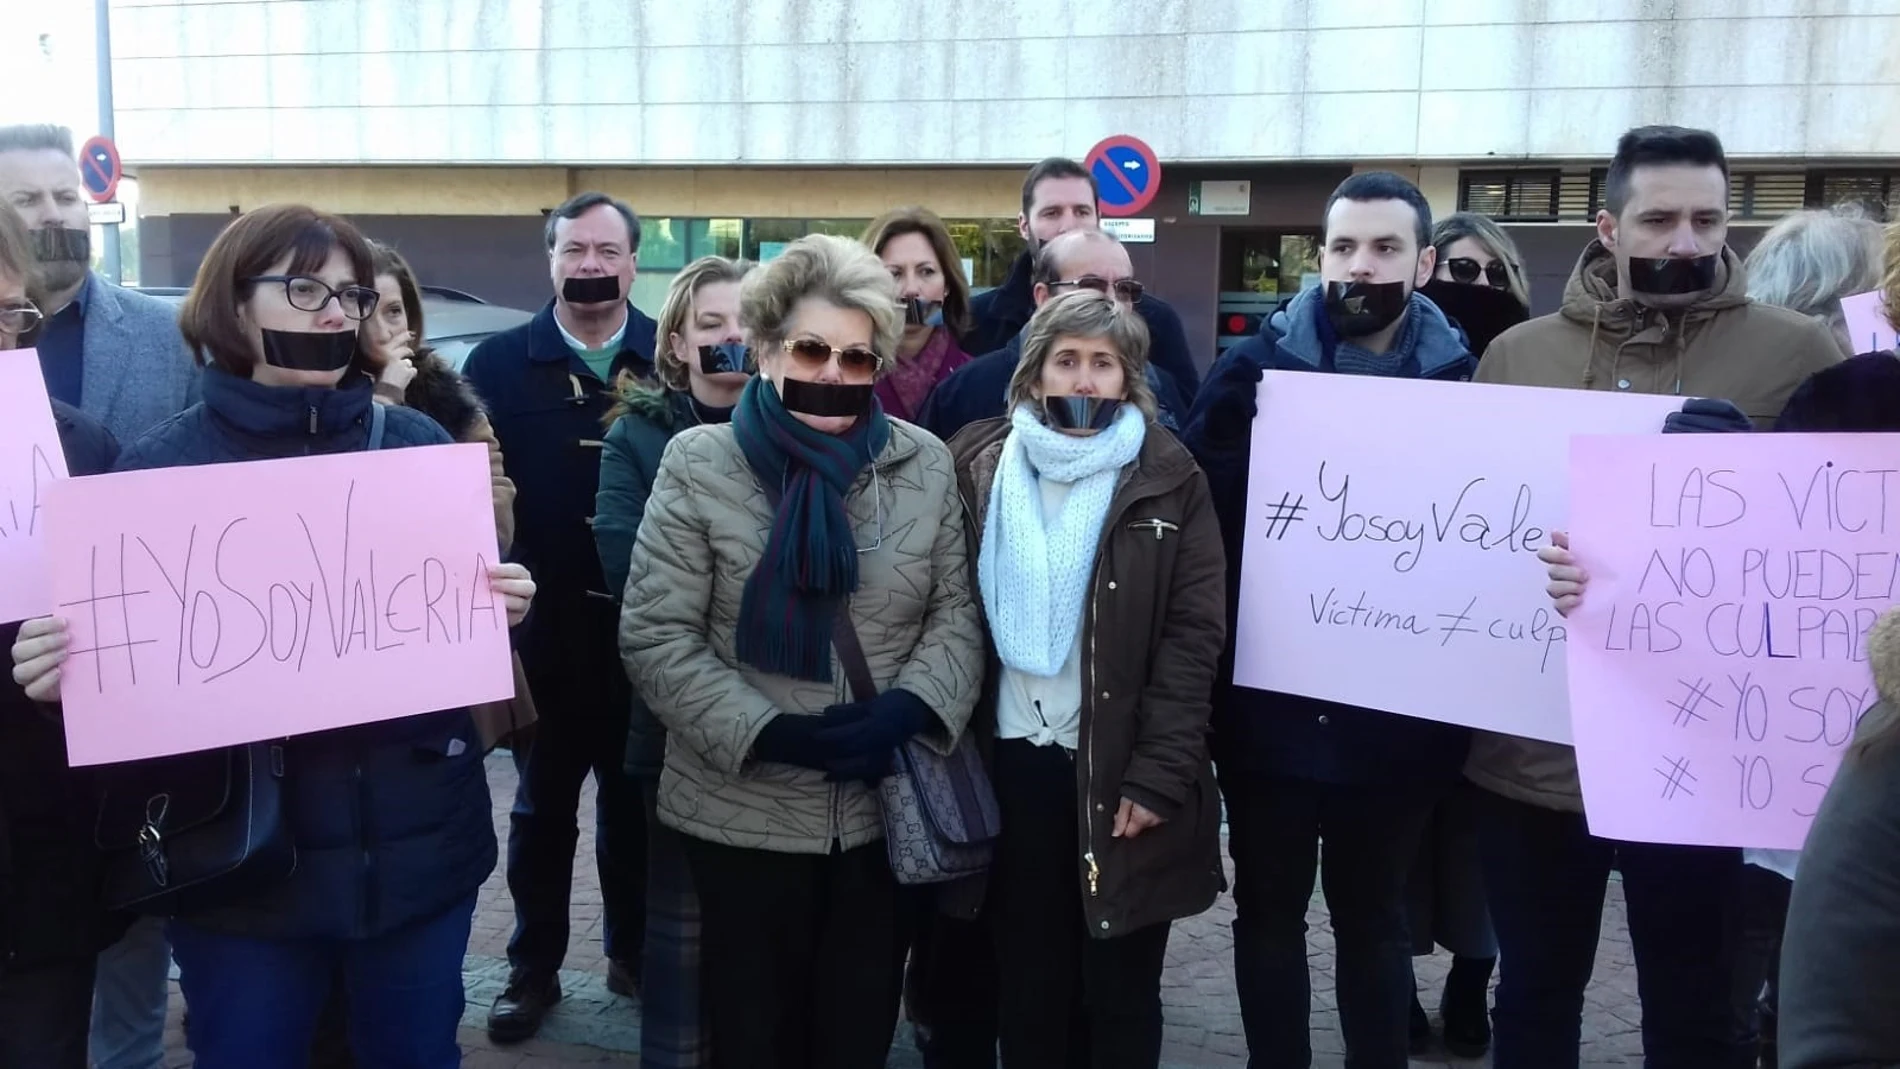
{"type": "Point", "coordinates": [224, 604]}
{"type": "Point", "coordinates": [1406, 540]}
{"type": "Point", "coordinates": [1719, 665]}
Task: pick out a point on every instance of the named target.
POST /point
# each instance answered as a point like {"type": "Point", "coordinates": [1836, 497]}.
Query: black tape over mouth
{"type": "Point", "coordinates": [593, 289]}
{"type": "Point", "coordinates": [725, 358]}
{"type": "Point", "coordinates": [58, 244]}
{"type": "Point", "coordinates": [301, 350]}
{"type": "Point", "coordinates": [825, 398]}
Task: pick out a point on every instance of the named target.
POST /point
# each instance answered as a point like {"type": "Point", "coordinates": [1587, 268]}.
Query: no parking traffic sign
{"type": "Point", "coordinates": [99, 168]}
{"type": "Point", "coordinates": [1127, 174]}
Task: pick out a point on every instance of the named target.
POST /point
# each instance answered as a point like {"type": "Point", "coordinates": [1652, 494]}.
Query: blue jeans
{"type": "Point", "coordinates": [254, 1002]}
{"type": "Point", "coordinates": [130, 998]}
{"type": "Point", "coordinates": [1371, 833]}
{"type": "Point", "coordinates": [1546, 875]}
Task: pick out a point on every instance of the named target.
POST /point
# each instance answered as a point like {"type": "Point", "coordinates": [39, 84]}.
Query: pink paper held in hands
{"type": "Point", "coordinates": [30, 461]}
{"type": "Point", "coordinates": [217, 605]}
{"type": "Point", "coordinates": [1718, 663]}
{"type": "Point", "coordinates": [1392, 535]}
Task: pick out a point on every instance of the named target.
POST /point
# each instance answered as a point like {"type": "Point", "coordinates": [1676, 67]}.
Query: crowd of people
{"type": "Point", "coordinates": [833, 556]}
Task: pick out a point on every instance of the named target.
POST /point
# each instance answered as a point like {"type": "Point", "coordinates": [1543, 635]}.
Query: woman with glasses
{"type": "Point", "coordinates": [935, 299]}
{"type": "Point", "coordinates": [1103, 581]}
{"type": "Point", "coordinates": [391, 821]}
{"type": "Point", "coordinates": [811, 541]}
{"type": "Point", "coordinates": [700, 368]}
{"type": "Point", "coordinates": [1479, 282]}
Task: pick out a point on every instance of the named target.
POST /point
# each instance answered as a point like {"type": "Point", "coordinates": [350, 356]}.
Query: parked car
{"type": "Point", "coordinates": [456, 321]}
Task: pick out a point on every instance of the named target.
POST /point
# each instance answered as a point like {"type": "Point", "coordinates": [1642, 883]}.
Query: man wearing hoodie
{"type": "Point", "coordinates": [1657, 304]}
{"type": "Point", "coordinates": [1296, 770]}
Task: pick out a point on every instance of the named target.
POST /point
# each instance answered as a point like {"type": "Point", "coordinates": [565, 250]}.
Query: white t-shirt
{"type": "Point", "coordinates": [1044, 710]}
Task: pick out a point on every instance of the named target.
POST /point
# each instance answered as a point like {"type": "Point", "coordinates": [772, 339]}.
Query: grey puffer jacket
{"type": "Point", "coordinates": [705, 529]}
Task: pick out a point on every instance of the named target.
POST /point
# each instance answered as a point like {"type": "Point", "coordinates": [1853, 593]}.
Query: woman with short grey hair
{"type": "Point", "coordinates": [810, 517]}
{"type": "Point", "coordinates": [1810, 260]}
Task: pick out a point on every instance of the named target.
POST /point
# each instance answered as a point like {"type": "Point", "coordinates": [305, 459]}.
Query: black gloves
{"type": "Point", "coordinates": [1233, 402]}
{"type": "Point", "coordinates": [862, 748]}
{"type": "Point", "coordinates": [855, 741]}
{"type": "Point", "coordinates": [1707, 415]}
{"type": "Point", "coordinates": [792, 738]}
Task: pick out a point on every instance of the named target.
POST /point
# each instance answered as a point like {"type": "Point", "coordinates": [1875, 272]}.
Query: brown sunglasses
{"type": "Point", "coordinates": [812, 354]}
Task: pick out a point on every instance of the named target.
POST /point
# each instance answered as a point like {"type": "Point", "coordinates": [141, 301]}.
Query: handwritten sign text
{"type": "Point", "coordinates": [217, 605]}
{"type": "Point", "coordinates": [1719, 662]}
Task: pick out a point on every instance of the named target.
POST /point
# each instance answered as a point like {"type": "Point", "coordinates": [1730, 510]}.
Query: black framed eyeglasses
{"type": "Point", "coordinates": [1126, 289]}
{"type": "Point", "coordinates": [307, 294]}
{"type": "Point", "coordinates": [812, 353]}
{"type": "Point", "coordinates": [20, 318]}
{"type": "Point", "coordinates": [1465, 269]}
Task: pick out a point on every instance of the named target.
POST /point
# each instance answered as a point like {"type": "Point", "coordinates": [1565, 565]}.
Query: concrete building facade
{"type": "Point", "coordinates": [450, 126]}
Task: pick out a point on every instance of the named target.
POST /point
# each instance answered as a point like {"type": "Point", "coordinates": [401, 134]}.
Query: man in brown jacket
{"type": "Point", "coordinates": [1657, 305]}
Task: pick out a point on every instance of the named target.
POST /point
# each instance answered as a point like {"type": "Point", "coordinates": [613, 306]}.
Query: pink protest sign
{"type": "Point", "coordinates": [217, 605]}
{"type": "Point", "coordinates": [1718, 663]}
{"type": "Point", "coordinates": [1868, 329]}
{"type": "Point", "coordinates": [1392, 537]}
{"type": "Point", "coordinates": [30, 460]}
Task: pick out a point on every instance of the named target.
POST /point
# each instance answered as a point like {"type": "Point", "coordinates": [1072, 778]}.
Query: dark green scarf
{"type": "Point", "coordinates": [811, 560]}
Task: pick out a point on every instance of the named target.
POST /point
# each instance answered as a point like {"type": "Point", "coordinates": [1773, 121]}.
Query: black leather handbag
{"type": "Point", "coordinates": [182, 834]}
{"type": "Point", "coordinates": [201, 830]}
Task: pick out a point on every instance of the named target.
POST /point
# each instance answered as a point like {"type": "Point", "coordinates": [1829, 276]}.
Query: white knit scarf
{"type": "Point", "coordinates": [1033, 569]}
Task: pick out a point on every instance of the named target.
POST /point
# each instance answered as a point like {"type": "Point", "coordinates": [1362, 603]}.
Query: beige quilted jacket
{"type": "Point", "coordinates": [705, 528]}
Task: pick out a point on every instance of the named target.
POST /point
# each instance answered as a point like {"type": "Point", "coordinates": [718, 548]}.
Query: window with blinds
{"type": "Point", "coordinates": [1875, 190]}
{"type": "Point", "coordinates": [1766, 195]}
{"type": "Point", "coordinates": [1510, 196]}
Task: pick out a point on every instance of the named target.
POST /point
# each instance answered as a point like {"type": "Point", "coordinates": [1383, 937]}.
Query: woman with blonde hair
{"type": "Point", "coordinates": [1099, 560]}
{"type": "Point", "coordinates": [701, 365]}
{"type": "Point", "coordinates": [789, 562]}
{"type": "Point", "coordinates": [935, 297]}
{"type": "Point", "coordinates": [1479, 281]}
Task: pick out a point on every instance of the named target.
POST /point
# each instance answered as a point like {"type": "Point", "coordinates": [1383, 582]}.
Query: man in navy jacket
{"type": "Point", "coordinates": [1059, 195]}
{"type": "Point", "coordinates": [1296, 770]}
{"type": "Point", "coordinates": [978, 390]}
{"type": "Point", "coordinates": [548, 384]}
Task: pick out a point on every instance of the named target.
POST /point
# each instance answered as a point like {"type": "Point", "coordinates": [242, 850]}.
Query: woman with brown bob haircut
{"type": "Point", "coordinates": [934, 298]}
{"type": "Point", "coordinates": [390, 820]}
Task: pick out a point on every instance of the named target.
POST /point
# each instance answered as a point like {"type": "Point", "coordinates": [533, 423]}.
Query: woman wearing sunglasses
{"type": "Point", "coordinates": [1103, 581]}
{"type": "Point", "coordinates": [700, 369]}
{"type": "Point", "coordinates": [1480, 282]}
{"type": "Point", "coordinates": [391, 821]}
{"type": "Point", "coordinates": [935, 300]}
{"type": "Point", "coordinates": [773, 548]}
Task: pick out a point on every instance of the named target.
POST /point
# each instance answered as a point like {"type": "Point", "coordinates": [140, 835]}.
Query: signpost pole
{"type": "Point", "coordinates": [109, 247]}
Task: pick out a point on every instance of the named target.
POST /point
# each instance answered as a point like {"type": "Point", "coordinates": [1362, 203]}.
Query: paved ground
{"type": "Point", "coordinates": [594, 1027]}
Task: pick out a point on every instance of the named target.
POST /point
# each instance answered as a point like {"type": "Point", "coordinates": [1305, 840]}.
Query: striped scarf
{"type": "Point", "coordinates": [810, 563]}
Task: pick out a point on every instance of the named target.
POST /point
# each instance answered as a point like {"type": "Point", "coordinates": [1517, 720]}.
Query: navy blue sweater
{"type": "Point", "coordinates": [1259, 732]}
{"type": "Point", "coordinates": [998, 315]}
{"type": "Point", "coordinates": [392, 820]}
